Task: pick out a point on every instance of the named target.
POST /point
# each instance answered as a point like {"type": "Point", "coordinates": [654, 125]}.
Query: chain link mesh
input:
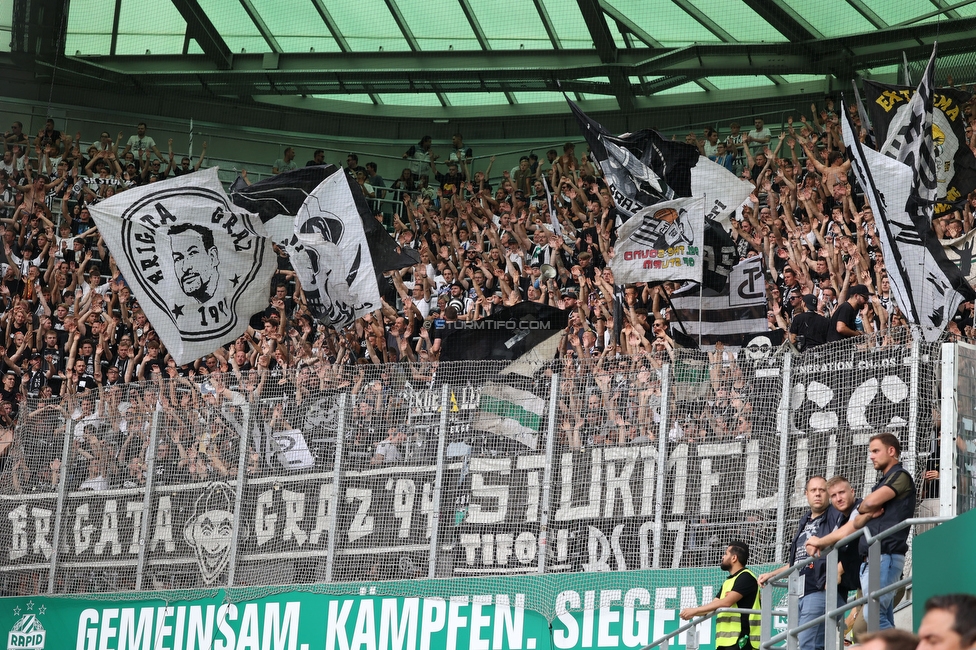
{"type": "Point", "coordinates": [339, 474]}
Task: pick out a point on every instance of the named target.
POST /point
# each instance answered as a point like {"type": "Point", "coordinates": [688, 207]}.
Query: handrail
{"type": "Point", "coordinates": [862, 532]}
{"type": "Point", "coordinates": [697, 621]}
{"type": "Point", "coordinates": [777, 581]}
{"type": "Point", "coordinates": [838, 612]}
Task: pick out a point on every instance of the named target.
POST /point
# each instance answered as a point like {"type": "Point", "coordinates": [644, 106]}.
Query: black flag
{"type": "Point", "coordinates": [506, 335]}
{"type": "Point", "coordinates": [955, 162]}
{"type": "Point", "coordinates": [641, 168]}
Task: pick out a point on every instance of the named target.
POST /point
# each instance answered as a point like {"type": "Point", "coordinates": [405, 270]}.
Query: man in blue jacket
{"type": "Point", "coordinates": [818, 521]}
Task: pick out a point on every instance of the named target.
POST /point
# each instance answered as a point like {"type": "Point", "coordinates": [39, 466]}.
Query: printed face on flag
{"type": "Point", "coordinates": [662, 242]}
{"type": "Point", "coordinates": [330, 255]}
{"type": "Point", "coordinates": [199, 265]}
{"type": "Point", "coordinates": [196, 260]}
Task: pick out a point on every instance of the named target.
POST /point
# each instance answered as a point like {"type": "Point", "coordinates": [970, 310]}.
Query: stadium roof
{"type": "Point", "coordinates": [448, 59]}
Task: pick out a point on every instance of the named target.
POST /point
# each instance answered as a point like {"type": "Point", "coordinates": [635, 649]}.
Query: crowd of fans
{"type": "Point", "coordinates": [75, 335]}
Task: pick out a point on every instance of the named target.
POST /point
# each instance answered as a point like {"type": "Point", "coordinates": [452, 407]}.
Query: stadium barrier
{"type": "Point", "coordinates": [315, 479]}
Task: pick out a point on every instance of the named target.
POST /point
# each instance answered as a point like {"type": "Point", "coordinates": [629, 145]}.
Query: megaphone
{"type": "Point", "coordinates": [548, 271]}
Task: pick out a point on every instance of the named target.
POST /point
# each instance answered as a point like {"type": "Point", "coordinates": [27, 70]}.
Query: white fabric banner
{"type": "Point", "coordinates": [331, 256]}
{"type": "Point", "coordinates": [661, 242]}
{"type": "Point", "coordinates": [199, 265]}
{"type": "Point", "coordinates": [724, 192]}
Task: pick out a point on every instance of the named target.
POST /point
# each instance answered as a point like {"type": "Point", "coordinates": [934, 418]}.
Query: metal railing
{"type": "Point", "coordinates": [791, 578]}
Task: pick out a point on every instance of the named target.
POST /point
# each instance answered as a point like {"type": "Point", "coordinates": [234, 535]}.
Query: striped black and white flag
{"type": "Point", "coordinates": [734, 317]}
{"type": "Point", "coordinates": [902, 185]}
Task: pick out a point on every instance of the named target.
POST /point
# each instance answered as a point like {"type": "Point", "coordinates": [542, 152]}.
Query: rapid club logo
{"type": "Point", "coordinates": [27, 633]}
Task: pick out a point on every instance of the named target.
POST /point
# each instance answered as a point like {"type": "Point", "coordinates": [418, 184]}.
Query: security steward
{"type": "Point", "coordinates": [740, 590]}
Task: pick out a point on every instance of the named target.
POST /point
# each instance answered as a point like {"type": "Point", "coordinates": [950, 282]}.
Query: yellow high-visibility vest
{"type": "Point", "coordinates": [728, 625]}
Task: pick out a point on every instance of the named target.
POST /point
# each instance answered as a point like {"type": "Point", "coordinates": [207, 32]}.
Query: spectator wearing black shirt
{"type": "Point", "coordinates": [843, 322]}
{"type": "Point", "coordinates": [450, 183]}
{"type": "Point", "coordinates": [808, 328]}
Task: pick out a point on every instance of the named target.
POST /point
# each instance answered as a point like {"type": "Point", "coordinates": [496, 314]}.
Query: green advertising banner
{"type": "Point", "coordinates": [556, 611]}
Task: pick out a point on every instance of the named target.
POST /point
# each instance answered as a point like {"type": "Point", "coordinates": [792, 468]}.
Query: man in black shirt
{"type": "Point", "coordinates": [816, 522]}
{"type": "Point", "coordinates": [842, 323]}
{"type": "Point", "coordinates": [808, 328]}
{"type": "Point", "coordinates": [843, 502]}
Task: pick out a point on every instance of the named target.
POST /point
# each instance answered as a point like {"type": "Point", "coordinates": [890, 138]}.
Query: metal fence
{"type": "Point", "coordinates": [324, 473]}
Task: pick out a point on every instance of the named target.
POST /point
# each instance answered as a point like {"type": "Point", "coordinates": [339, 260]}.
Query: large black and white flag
{"type": "Point", "coordinates": [928, 287]}
{"type": "Point", "coordinates": [887, 185]}
{"type": "Point", "coordinates": [661, 242]}
{"type": "Point", "coordinates": [199, 265]}
{"type": "Point", "coordinates": [641, 168]}
{"type": "Point", "coordinates": [735, 317]}
{"type": "Point", "coordinates": [892, 116]}
{"type": "Point", "coordinates": [336, 247]}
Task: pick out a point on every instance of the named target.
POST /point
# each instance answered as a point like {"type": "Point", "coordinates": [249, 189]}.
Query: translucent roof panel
{"type": "Point", "coordinates": [157, 27]}
{"type": "Point", "coordinates": [539, 97]}
{"type": "Point", "coordinates": [367, 25]}
{"type": "Point", "coordinates": [966, 11]}
{"type": "Point", "coordinates": [834, 17]}
{"type": "Point", "coordinates": [895, 13]}
{"type": "Point", "coordinates": [568, 22]}
{"type": "Point", "coordinates": [802, 78]}
{"type": "Point", "coordinates": [666, 22]}
{"type": "Point", "coordinates": [408, 99]}
{"type": "Point", "coordinates": [89, 27]}
{"type": "Point", "coordinates": [235, 26]}
{"type": "Point", "coordinates": [6, 23]}
{"type": "Point", "coordinates": [300, 29]}
{"type": "Point", "coordinates": [443, 25]}
{"type": "Point", "coordinates": [738, 19]}
{"type": "Point", "coordinates": [517, 27]}
{"type": "Point", "coordinates": [429, 21]}
{"type": "Point", "coordinates": [689, 87]}
{"type": "Point", "coordinates": [476, 99]}
{"type": "Point", "coordinates": [730, 83]}
{"type": "Point", "coordinates": [358, 99]}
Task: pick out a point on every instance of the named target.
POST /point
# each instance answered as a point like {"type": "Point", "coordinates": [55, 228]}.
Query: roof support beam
{"type": "Point", "coordinates": [785, 21]}
{"type": "Point", "coordinates": [547, 23]}
{"type": "Point", "coordinates": [689, 8]}
{"type": "Point", "coordinates": [409, 37]}
{"type": "Point", "coordinates": [331, 25]}
{"type": "Point", "coordinates": [266, 34]}
{"type": "Point", "coordinates": [868, 14]}
{"type": "Point", "coordinates": [340, 40]}
{"type": "Point", "coordinates": [630, 25]}
{"type": "Point", "coordinates": [202, 30]}
{"type": "Point", "coordinates": [949, 10]}
{"type": "Point", "coordinates": [596, 23]}
{"type": "Point", "coordinates": [115, 27]}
